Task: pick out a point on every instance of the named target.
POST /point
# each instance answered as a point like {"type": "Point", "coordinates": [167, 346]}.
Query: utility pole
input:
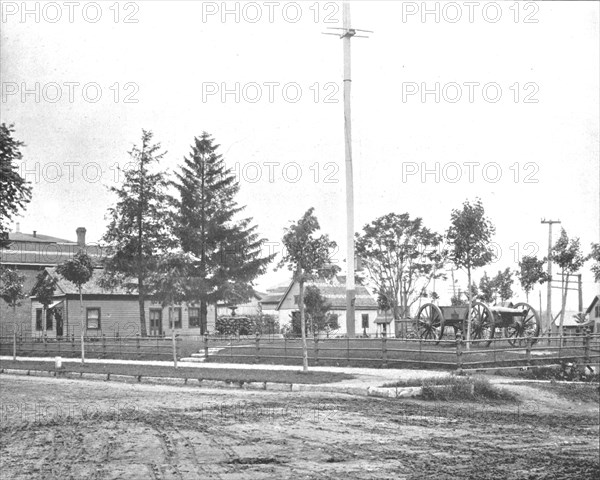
{"type": "Point", "coordinates": [549, 300]}
{"type": "Point", "coordinates": [346, 35]}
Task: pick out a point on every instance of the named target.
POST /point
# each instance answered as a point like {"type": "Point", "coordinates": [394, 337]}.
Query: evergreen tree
{"type": "Point", "coordinates": [227, 250]}
{"type": "Point", "coordinates": [138, 232]}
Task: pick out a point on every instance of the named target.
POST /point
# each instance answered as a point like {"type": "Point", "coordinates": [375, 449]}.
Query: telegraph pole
{"type": "Point", "coordinates": [346, 35]}
{"type": "Point", "coordinates": [549, 300]}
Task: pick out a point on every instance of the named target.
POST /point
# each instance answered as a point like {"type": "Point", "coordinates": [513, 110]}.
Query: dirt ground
{"type": "Point", "coordinates": [73, 429]}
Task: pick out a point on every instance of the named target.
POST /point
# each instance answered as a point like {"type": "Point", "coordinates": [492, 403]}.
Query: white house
{"type": "Point", "coordinates": [334, 291]}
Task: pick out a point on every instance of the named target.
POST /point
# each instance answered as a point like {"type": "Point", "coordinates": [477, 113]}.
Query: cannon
{"type": "Point", "coordinates": [518, 322]}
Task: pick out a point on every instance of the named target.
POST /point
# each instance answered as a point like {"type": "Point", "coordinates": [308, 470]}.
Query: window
{"type": "Point", "coordinates": [93, 318]}
{"type": "Point", "coordinates": [194, 317]}
{"type": "Point", "coordinates": [175, 313]}
{"type": "Point", "coordinates": [365, 320]}
{"type": "Point", "coordinates": [597, 311]}
{"type": "Point", "coordinates": [38, 319]}
{"type": "Point", "coordinates": [296, 299]}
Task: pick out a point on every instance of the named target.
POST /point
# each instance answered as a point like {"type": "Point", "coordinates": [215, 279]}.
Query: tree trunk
{"type": "Point", "coordinates": [303, 325]}
{"type": "Point", "coordinates": [82, 326]}
{"type": "Point", "coordinates": [43, 321]}
{"type": "Point", "coordinates": [470, 295]}
{"type": "Point", "coordinates": [203, 317]}
{"type": "Point", "coordinates": [141, 300]}
{"type": "Point", "coordinates": [565, 285]}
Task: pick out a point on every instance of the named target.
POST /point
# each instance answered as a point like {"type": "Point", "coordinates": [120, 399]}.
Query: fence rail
{"type": "Point", "coordinates": [154, 348]}
{"type": "Point", "coordinates": [371, 352]}
{"type": "Point", "coordinates": [394, 352]}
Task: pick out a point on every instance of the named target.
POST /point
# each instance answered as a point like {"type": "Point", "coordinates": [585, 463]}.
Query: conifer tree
{"type": "Point", "coordinates": [227, 249]}
{"type": "Point", "coordinates": [139, 231]}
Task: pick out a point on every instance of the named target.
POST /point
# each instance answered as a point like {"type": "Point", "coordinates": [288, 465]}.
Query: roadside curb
{"type": "Point", "coordinates": [365, 391]}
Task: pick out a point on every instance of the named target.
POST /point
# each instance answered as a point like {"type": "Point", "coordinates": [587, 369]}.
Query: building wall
{"type": "Point", "coordinates": [285, 318]}
{"type": "Point", "coordinates": [117, 316]}
{"type": "Point", "coordinates": [20, 317]}
{"type": "Point", "coordinates": [245, 309]}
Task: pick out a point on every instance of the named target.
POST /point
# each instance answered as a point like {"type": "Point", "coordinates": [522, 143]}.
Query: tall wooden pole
{"type": "Point", "coordinates": [350, 287]}
{"type": "Point", "coordinates": [549, 299]}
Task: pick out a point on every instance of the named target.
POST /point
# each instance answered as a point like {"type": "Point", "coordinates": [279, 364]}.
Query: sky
{"type": "Point", "coordinates": [491, 100]}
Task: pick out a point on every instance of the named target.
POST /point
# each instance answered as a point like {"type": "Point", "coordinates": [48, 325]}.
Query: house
{"type": "Point", "coordinates": [245, 309]}
{"type": "Point", "coordinates": [593, 313]}
{"type": "Point", "coordinates": [29, 254]}
{"type": "Point", "coordinates": [271, 299]}
{"type": "Point", "coordinates": [112, 312]}
{"type": "Point", "coordinates": [334, 291]}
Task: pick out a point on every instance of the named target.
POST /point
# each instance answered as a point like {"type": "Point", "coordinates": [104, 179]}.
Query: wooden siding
{"type": "Point", "coordinates": [117, 315]}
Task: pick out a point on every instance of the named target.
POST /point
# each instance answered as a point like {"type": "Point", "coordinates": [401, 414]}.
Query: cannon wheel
{"type": "Point", "coordinates": [529, 326]}
{"type": "Point", "coordinates": [482, 323]}
{"type": "Point", "coordinates": [429, 320]}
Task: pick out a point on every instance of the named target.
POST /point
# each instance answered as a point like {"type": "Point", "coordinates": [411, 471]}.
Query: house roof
{"type": "Point", "coordinates": [335, 293]}
{"type": "Point", "coordinates": [594, 301]}
{"type": "Point", "coordinates": [90, 288]}
{"type": "Point", "coordinates": [47, 253]}
{"type": "Point", "coordinates": [28, 237]}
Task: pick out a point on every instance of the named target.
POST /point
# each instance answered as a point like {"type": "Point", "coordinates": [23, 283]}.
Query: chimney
{"type": "Point", "coordinates": [18, 227]}
{"type": "Point", "coordinates": [81, 237]}
{"type": "Point", "coordinates": [34, 234]}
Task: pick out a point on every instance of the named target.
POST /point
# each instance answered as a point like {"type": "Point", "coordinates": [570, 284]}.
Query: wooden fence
{"type": "Point", "coordinates": [366, 352]}
{"type": "Point", "coordinates": [398, 353]}
{"type": "Point", "coordinates": [124, 348]}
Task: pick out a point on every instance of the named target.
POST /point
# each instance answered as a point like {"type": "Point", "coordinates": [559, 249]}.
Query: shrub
{"type": "Point", "coordinates": [263, 324]}
{"type": "Point", "coordinates": [454, 387]}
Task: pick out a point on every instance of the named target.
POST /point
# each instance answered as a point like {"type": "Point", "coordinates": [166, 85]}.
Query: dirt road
{"type": "Point", "coordinates": [73, 429]}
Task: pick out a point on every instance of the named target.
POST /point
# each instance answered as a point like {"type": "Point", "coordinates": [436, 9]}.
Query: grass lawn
{"type": "Point", "coordinates": [224, 374]}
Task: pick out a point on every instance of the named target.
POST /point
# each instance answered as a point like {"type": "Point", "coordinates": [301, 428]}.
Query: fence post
{"type": "Point", "coordinates": [256, 360]}
{"type": "Point", "coordinates": [174, 349]}
{"type": "Point", "coordinates": [586, 347]}
{"type": "Point", "coordinates": [103, 345]}
{"type": "Point", "coordinates": [285, 347]}
{"type": "Point", "coordinates": [384, 351]}
{"type": "Point", "coordinates": [15, 345]}
{"type": "Point", "coordinates": [316, 342]}
{"type": "Point", "coordinates": [459, 352]}
{"type": "Point", "coordinates": [46, 344]}
{"type": "Point", "coordinates": [205, 346]}
{"type": "Point", "coordinates": [137, 338]}
{"type": "Point", "coordinates": [348, 349]}
{"type": "Point", "coordinates": [528, 350]}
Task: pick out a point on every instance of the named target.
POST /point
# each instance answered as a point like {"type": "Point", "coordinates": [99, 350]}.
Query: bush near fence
{"type": "Point", "coordinates": [247, 325]}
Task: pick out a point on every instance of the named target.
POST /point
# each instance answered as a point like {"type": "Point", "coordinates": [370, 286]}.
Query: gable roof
{"type": "Point", "coordinates": [90, 288]}
{"type": "Point", "coordinates": [594, 301]}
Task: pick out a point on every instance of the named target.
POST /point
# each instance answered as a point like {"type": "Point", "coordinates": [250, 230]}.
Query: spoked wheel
{"type": "Point", "coordinates": [482, 323]}
{"type": "Point", "coordinates": [523, 327]}
{"type": "Point", "coordinates": [430, 322]}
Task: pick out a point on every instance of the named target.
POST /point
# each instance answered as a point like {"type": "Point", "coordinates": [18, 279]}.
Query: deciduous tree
{"type": "Point", "coordinates": [469, 236]}
{"type": "Point", "coordinates": [11, 289]}
{"type": "Point", "coordinates": [15, 192]}
{"type": "Point", "coordinates": [401, 257]}
{"type": "Point", "coordinates": [308, 256]}
{"type": "Point", "coordinates": [78, 271]}
{"type": "Point", "coordinates": [566, 253]}
{"type": "Point", "coordinates": [531, 272]}
{"type": "Point", "coordinates": [43, 292]}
